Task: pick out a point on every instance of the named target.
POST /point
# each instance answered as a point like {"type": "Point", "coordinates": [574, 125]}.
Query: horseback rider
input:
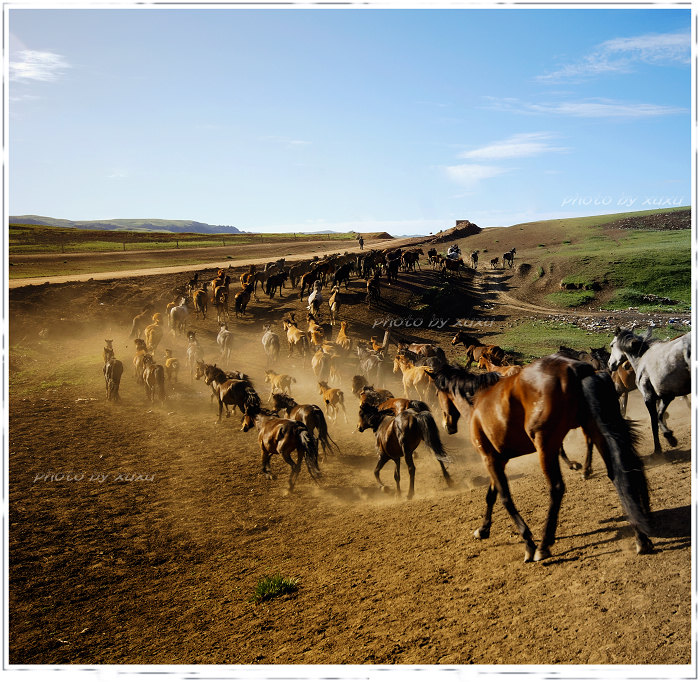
{"type": "Point", "coordinates": [454, 252]}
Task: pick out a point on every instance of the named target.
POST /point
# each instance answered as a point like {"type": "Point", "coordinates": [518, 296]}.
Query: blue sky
{"type": "Point", "coordinates": [392, 119]}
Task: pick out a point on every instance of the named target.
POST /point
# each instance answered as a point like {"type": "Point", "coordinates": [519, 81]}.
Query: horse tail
{"type": "Point", "coordinates": [323, 437]}
{"type": "Point", "coordinates": [616, 440]}
{"type": "Point", "coordinates": [309, 446]}
{"type": "Point", "coordinates": [431, 435]}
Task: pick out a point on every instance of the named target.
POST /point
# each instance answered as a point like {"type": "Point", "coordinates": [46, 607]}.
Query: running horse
{"type": "Point", "coordinates": [398, 435]}
{"type": "Point", "coordinates": [283, 437]}
{"type": "Point", "coordinates": [662, 370]}
{"type": "Point", "coordinates": [310, 415]}
{"type": "Point", "coordinates": [532, 411]}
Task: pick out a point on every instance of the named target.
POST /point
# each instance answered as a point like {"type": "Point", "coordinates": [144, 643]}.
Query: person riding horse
{"type": "Point", "coordinates": [454, 252]}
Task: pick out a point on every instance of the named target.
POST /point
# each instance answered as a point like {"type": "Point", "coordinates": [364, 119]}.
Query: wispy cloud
{"type": "Point", "coordinates": [32, 65]}
{"type": "Point", "coordinates": [622, 55]}
{"type": "Point", "coordinates": [590, 108]}
{"type": "Point", "coordinates": [468, 175]}
{"type": "Point", "coordinates": [516, 146]}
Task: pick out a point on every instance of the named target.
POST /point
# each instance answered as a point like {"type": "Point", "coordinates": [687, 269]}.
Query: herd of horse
{"type": "Point", "coordinates": [507, 409]}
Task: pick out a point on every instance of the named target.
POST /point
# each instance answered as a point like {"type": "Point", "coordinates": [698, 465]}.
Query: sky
{"type": "Point", "coordinates": [365, 118]}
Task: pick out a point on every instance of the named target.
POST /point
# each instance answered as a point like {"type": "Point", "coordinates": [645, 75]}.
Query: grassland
{"type": "Point", "coordinates": [28, 239]}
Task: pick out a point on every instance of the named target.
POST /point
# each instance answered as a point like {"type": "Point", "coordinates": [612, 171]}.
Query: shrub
{"type": "Point", "coordinates": [271, 586]}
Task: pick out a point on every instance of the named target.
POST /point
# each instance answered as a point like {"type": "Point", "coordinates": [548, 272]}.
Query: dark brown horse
{"type": "Point", "coordinates": [311, 415]}
{"type": "Point", "coordinates": [235, 392]}
{"type": "Point", "coordinates": [398, 435]}
{"type": "Point", "coordinates": [112, 370]}
{"type": "Point", "coordinates": [532, 411]}
{"type": "Point", "coordinates": [467, 339]}
{"type": "Point", "coordinates": [283, 437]}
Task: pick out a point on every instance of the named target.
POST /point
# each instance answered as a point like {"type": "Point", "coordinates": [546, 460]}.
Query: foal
{"type": "Point", "coordinates": [334, 398]}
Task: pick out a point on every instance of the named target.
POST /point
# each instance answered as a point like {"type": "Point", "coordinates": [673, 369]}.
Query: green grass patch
{"type": "Point", "coordinates": [570, 299]}
{"type": "Point", "coordinates": [579, 282]}
{"type": "Point", "coordinates": [271, 586]}
{"type": "Point", "coordinates": [535, 338]}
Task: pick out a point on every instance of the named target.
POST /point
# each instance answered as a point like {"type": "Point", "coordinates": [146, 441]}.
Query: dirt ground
{"type": "Point", "coordinates": [138, 532]}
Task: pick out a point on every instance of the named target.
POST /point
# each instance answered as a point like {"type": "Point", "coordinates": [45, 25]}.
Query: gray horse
{"type": "Point", "coordinates": [663, 373]}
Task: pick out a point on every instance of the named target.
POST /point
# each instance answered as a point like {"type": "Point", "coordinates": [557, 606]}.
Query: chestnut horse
{"type": "Point", "coordinates": [532, 411]}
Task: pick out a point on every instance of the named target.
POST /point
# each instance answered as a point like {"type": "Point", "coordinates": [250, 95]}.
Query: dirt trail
{"type": "Point", "coordinates": [225, 263]}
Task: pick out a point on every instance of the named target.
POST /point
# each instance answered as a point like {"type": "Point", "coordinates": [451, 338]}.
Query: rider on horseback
{"type": "Point", "coordinates": [454, 252]}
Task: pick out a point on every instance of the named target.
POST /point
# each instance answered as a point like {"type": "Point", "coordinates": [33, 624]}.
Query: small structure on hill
{"type": "Point", "coordinates": [462, 228]}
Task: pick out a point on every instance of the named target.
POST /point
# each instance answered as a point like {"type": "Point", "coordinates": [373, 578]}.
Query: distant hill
{"type": "Point", "coordinates": [135, 225]}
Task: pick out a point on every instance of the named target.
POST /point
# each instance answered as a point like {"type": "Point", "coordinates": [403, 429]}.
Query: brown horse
{"type": "Point", "coordinates": [397, 405]}
{"type": "Point", "coordinates": [374, 396]}
{"type": "Point", "coordinates": [398, 435]}
{"type": "Point", "coordinates": [493, 353]}
{"type": "Point", "coordinates": [238, 393]}
{"type": "Point", "coordinates": [141, 321]}
{"type": "Point", "coordinates": [241, 299]}
{"type": "Point", "coordinates": [467, 339]}
{"type": "Point", "coordinates": [311, 415]}
{"type": "Point", "coordinates": [112, 370]}
{"type": "Point", "coordinates": [283, 437]}
{"type": "Point", "coordinates": [532, 411]}
{"type": "Point", "coordinates": [200, 299]}
{"type": "Point", "coordinates": [154, 333]}
{"type": "Point", "coordinates": [153, 379]}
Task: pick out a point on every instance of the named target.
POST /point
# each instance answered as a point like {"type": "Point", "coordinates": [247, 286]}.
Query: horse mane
{"type": "Point", "coordinates": [216, 373]}
{"type": "Point", "coordinates": [283, 400]}
{"type": "Point", "coordinates": [460, 381]}
{"type": "Point", "coordinates": [630, 342]}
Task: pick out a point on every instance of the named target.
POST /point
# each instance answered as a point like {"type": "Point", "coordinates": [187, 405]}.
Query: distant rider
{"type": "Point", "coordinates": [454, 252]}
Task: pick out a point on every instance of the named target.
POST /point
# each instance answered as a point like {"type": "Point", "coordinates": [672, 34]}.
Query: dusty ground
{"type": "Point", "coordinates": [153, 555]}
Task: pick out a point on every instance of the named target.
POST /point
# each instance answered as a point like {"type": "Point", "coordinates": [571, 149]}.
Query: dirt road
{"type": "Point", "coordinates": [256, 255]}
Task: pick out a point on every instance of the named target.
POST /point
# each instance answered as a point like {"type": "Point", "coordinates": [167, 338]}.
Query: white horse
{"type": "Point", "coordinates": [271, 344]}
{"type": "Point", "coordinates": [225, 341]}
{"type": "Point", "coordinates": [316, 298]}
{"type": "Point", "coordinates": [178, 316]}
{"type": "Point", "coordinates": [662, 369]}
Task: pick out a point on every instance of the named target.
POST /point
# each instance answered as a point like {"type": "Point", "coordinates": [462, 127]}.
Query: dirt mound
{"type": "Point", "coordinates": [462, 229]}
{"type": "Point", "coordinates": [377, 235]}
{"type": "Point", "coordinates": [675, 220]}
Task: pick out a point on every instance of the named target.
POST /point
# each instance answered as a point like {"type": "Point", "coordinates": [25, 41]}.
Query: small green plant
{"type": "Point", "coordinates": [271, 586]}
{"type": "Point", "coordinates": [540, 272]}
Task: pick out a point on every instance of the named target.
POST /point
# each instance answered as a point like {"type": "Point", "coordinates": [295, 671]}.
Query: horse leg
{"type": "Point", "coordinates": [623, 403]}
{"type": "Point", "coordinates": [650, 403]}
{"type": "Point", "coordinates": [499, 480]}
{"type": "Point", "coordinates": [485, 530]}
{"type": "Point", "coordinates": [408, 456]}
{"type": "Point", "coordinates": [587, 468]}
{"type": "Point", "coordinates": [383, 459]}
{"type": "Point", "coordinates": [266, 463]}
{"type": "Point", "coordinates": [295, 467]}
{"type": "Point", "coordinates": [574, 466]}
{"type": "Point", "coordinates": [549, 462]}
{"type": "Point", "coordinates": [663, 404]}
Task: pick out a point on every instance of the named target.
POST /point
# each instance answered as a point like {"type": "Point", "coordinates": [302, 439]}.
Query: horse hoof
{"type": "Point", "coordinates": [542, 553]}
{"type": "Point", "coordinates": [672, 440]}
{"type": "Point", "coordinates": [644, 546]}
{"type": "Point", "coordinates": [482, 533]}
